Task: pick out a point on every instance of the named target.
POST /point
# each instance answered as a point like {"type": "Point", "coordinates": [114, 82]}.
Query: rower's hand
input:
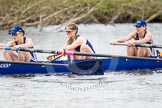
{"type": "Point", "coordinates": [130, 43]}
{"type": "Point", "coordinates": [15, 47]}
{"type": "Point", "coordinates": [51, 57]}
{"type": "Point", "coordinates": [114, 43]}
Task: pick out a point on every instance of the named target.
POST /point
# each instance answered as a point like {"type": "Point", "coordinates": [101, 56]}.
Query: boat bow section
{"type": "Point", "coordinates": [15, 67]}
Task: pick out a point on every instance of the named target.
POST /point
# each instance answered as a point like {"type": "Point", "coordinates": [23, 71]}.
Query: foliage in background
{"type": "Point", "coordinates": [53, 12]}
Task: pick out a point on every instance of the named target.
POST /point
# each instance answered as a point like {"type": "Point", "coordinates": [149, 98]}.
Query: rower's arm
{"type": "Point", "coordinates": [29, 44]}
{"type": "Point", "coordinates": [124, 39]}
{"type": "Point", "coordinates": [76, 43]}
{"type": "Point", "coordinates": [66, 44]}
{"type": "Point", "coordinates": [9, 44]}
{"type": "Point", "coordinates": [2, 45]}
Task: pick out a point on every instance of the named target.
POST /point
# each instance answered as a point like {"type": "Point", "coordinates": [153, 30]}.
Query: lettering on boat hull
{"type": "Point", "coordinates": [5, 65]}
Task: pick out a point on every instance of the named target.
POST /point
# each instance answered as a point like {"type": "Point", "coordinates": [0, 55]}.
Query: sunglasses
{"type": "Point", "coordinates": [138, 26]}
{"type": "Point", "coordinates": [68, 31]}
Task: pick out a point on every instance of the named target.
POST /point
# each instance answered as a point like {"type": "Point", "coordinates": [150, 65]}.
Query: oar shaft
{"type": "Point", "coordinates": [37, 50]}
{"type": "Point", "coordinates": [148, 45]}
{"type": "Point", "coordinates": [70, 53]}
{"type": "Point", "coordinates": [29, 50]}
{"type": "Point", "coordinates": [87, 54]}
{"type": "Point", "coordinates": [139, 45]}
{"type": "Point", "coordinates": [6, 48]}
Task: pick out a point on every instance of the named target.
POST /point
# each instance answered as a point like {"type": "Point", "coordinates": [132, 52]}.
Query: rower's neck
{"type": "Point", "coordinates": [142, 34]}
{"type": "Point", "coordinates": [75, 37]}
{"type": "Point", "coordinates": [21, 40]}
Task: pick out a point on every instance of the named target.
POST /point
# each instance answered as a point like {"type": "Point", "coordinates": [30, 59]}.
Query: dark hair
{"type": "Point", "coordinates": [70, 41]}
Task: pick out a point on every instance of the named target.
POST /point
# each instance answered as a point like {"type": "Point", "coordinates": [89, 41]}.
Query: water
{"type": "Point", "coordinates": [113, 90]}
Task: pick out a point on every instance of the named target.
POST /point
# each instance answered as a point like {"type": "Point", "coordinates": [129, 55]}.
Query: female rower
{"type": "Point", "coordinates": [19, 41]}
{"type": "Point", "coordinates": [140, 36]}
{"type": "Point", "coordinates": [76, 43]}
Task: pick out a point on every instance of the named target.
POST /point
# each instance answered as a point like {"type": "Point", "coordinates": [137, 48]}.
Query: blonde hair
{"type": "Point", "coordinates": [73, 27]}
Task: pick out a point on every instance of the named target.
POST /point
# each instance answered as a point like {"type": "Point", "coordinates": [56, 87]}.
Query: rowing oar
{"type": "Point", "coordinates": [59, 52]}
{"type": "Point", "coordinates": [139, 45]}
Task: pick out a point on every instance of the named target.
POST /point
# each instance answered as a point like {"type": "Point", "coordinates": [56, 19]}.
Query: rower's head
{"type": "Point", "coordinates": [141, 25]}
{"type": "Point", "coordinates": [71, 30]}
{"type": "Point", "coordinates": [16, 30]}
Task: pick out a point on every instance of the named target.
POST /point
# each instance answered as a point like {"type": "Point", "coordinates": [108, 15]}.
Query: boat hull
{"type": "Point", "coordinates": [131, 64]}
{"type": "Point", "coordinates": [90, 67]}
{"type": "Point", "coordinates": [81, 67]}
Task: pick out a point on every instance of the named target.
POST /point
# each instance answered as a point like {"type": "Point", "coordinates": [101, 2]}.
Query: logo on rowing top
{"type": "Point", "coordinates": [5, 65]}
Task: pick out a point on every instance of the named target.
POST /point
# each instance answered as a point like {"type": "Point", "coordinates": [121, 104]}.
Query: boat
{"type": "Point", "coordinates": [82, 67]}
{"type": "Point", "coordinates": [104, 63]}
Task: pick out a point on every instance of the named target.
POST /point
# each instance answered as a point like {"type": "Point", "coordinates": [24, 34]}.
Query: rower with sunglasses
{"type": "Point", "coordinates": [76, 43]}
{"type": "Point", "coordinates": [140, 36]}
{"type": "Point", "coordinates": [19, 41]}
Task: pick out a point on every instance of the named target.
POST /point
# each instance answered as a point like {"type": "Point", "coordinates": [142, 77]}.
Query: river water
{"type": "Point", "coordinates": [113, 90]}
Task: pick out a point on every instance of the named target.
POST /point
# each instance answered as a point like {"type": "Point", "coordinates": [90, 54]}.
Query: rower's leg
{"type": "Point", "coordinates": [132, 51]}
{"type": "Point", "coordinates": [148, 52]}
{"type": "Point", "coordinates": [85, 48]}
{"type": "Point", "coordinates": [143, 51]}
{"type": "Point", "coordinates": [10, 56]}
{"type": "Point", "coordinates": [24, 56]}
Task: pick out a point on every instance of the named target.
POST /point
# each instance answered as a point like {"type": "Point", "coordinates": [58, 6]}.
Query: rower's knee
{"type": "Point", "coordinates": [7, 53]}
{"type": "Point", "coordinates": [131, 51]}
{"type": "Point", "coordinates": [24, 56]}
{"type": "Point", "coordinates": [144, 52]}
{"type": "Point", "coordinates": [83, 48]}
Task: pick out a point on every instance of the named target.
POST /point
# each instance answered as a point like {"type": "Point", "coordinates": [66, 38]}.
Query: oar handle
{"type": "Point", "coordinates": [121, 44]}
{"type": "Point", "coordinates": [10, 48]}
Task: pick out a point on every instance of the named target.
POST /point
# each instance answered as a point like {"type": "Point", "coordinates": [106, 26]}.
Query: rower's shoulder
{"type": "Point", "coordinates": [132, 34]}
{"type": "Point", "coordinates": [149, 33]}
{"type": "Point", "coordinates": [81, 38]}
{"type": "Point", "coordinates": [27, 37]}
